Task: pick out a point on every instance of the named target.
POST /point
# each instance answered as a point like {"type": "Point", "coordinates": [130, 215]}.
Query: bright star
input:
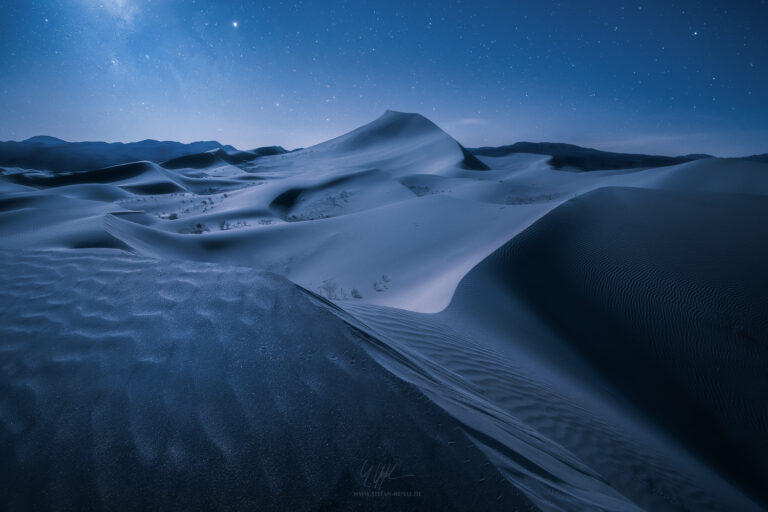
{"type": "Point", "coordinates": [234, 24]}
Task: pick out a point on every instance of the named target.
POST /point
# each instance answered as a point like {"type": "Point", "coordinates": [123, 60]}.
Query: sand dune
{"type": "Point", "coordinates": [516, 336]}
{"type": "Point", "coordinates": [221, 388]}
{"type": "Point", "coordinates": [668, 305]}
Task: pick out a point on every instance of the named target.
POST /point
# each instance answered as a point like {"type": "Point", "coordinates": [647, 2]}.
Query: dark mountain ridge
{"type": "Point", "coordinates": [585, 159]}
{"type": "Point", "coordinates": [50, 153]}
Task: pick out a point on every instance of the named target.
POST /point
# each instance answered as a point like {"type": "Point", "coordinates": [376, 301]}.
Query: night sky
{"type": "Point", "coordinates": [669, 77]}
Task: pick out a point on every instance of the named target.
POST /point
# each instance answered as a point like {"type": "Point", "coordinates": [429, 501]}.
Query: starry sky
{"type": "Point", "coordinates": [666, 77]}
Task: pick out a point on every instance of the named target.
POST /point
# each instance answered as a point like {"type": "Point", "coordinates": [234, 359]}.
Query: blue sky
{"type": "Point", "coordinates": [667, 77]}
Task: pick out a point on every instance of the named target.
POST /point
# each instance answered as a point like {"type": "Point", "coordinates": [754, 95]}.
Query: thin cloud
{"type": "Point", "coordinates": [466, 121]}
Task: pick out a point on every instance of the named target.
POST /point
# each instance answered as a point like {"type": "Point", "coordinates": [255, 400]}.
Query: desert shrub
{"type": "Point", "coordinates": [329, 289]}
{"type": "Point", "coordinates": [226, 225]}
{"type": "Point", "coordinates": [199, 229]}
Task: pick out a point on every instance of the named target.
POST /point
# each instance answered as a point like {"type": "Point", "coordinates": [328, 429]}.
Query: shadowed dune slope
{"type": "Point", "coordinates": [189, 386]}
{"type": "Point", "coordinates": [143, 178]}
{"type": "Point", "coordinates": [106, 175]}
{"type": "Point", "coordinates": [665, 295]}
{"type": "Point", "coordinates": [220, 156]}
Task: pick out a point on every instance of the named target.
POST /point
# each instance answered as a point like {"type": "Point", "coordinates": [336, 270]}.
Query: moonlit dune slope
{"type": "Point", "coordinates": [129, 383]}
{"type": "Point", "coordinates": [642, 334]}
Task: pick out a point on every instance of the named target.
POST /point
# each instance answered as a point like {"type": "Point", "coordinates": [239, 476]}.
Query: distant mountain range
{"type": "Point", "coordinates": [50, 153]}
{"type": "Point", "coordinates": [586, 159]}
{"type": "Point", "coordinates": [759, 158]}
